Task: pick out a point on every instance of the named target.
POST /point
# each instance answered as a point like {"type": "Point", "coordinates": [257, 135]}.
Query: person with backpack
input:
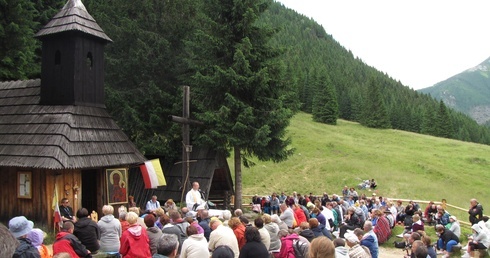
{"type": "Point", "coordinates": [292, 246]}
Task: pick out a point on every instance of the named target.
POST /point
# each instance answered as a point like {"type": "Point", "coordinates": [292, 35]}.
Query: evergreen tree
{"type": "Point", "coordinates": [429, 125]}
{"type": "Point", "coordinates": [17, 43]}
{"type": "Point", "coordinates": [325, 106]}
{"type": "Point", "coordinates": [345, 105]}
{"type": "Point", "coordinates": [307, 88]}
{"type": "Point", "coordinates": [444, 126]}
{"type": "Point", "coordinates": [143, 66]}
{"type": "Point", "coordinates": [375, 114]}
{"type": "Point", "coordinates": [239, 86]}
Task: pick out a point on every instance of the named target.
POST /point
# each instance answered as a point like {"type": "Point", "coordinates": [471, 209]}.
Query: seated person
{"type": "Point", "coordinates": [442, 216]}
{"type": "Point", "coordinates": [151, 205]}
{"type": "Point", "coordinates": [447, 239]}
{"type": "Point", "coordinates": [87, 231]}
{"type": "Point", "coordinates": [382, 228]}
{"type": "Point", "coordinates": [373, 184]}
{"type": "Point", "coordinates": [66, 242]}
{"type": "Point", "coordinates": [454, 226]}
{"type": "Point", "coordinates": [400, 212]}
{"type": "Point", "coordinates": [409, 212]}
{"type": "Point", "coordinates": [170, 205]}
{"type": "Point", "coordinates": [480, 240]}
{"type": "Point", "coordinates": [417, 225]}
{"type": "Point", "coordinates": [66, 211]}
{"type": "Point", "coordinates": [351, 221]}
{"type": "Point", "coordinates": [430, 212]}
{"type": "Point", "coordinates": [194, 199]}
{"type": "Point", "coordinates": [431, 252]}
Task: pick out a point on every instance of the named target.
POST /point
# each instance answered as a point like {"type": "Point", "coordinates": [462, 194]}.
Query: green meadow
{"type": "Point", "coordinates": [405, 165]}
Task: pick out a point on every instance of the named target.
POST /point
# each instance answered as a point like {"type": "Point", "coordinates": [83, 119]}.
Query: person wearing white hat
{"type": "Point", "coordinates": [20, 227]}
{"type": "Point", "coordinates": [455, 227]}
{"type": "Point", "coordinates": [356, 250]}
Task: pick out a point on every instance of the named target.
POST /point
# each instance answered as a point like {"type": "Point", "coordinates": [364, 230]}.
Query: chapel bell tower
{"type": "Point", "coordinates": [72, 71]}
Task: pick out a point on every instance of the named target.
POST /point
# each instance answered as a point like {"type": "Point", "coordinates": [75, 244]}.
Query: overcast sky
{"type": "Point", "coordinates": [419, 42]}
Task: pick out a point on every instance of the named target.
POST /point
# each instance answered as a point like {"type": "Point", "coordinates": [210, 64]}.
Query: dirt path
{"type": "Point", "coordinates": [391, 253]}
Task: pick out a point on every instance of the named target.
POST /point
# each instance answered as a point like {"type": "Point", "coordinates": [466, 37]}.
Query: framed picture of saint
{"type": "Point", "coordinates": [117, 181]}
{"type": "Point", "coordinates": [24, 185]}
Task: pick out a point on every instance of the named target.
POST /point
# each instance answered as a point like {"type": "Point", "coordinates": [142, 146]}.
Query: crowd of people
{"type": "Point", "coordinates": [286, 226]}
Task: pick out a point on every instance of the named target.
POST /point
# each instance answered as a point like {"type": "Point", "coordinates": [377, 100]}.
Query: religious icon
{"type": "Point", "coordinates": [116, 185]}
{"type": "Point", "coordinates": [24, 184]}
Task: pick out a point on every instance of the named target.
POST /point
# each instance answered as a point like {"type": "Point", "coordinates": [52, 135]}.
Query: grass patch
{"type": "Point", "coordinates": [405, 165]}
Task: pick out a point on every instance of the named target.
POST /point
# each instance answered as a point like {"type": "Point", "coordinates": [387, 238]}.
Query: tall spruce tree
{"type": "Point", "coordinates": [238, 85]}
{"type": "Point", "coordinates": [429, 118]}
{"type": "Point", "coordinates": [375, 114]}
{"type": "Point", "coordinates": [325, 106]}
{"type": "Point", "coordinates": [143, 65]}
{"type": "Point", "coordinates": [17, 43]}
{"type": "Point", "coordinates": [444, 127]}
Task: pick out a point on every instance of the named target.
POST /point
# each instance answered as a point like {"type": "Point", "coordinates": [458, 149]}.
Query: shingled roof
{"type": "Point", "coordinates": [73, 17]}
{"type": "Point", "coordinates": [58, 137]}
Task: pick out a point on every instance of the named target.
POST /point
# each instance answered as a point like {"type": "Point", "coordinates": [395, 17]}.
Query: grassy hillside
{"type": "Point", "coordinates": [405, 165]}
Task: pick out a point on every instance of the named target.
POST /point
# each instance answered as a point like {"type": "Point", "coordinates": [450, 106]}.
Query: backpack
{"type": "Point", "coordinates": [401, 244]}
{"type": "Point", "coordinates": [287, 247]}
{"type": "Point", "coordinates": [300, 248]}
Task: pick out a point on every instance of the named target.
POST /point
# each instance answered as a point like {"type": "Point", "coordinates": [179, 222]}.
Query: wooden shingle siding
{"type": "Point", "coordinates": [60, 136]}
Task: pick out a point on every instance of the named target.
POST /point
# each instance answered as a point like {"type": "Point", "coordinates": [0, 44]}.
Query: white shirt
{"type": "Point", "coordinates": [193, 197]}
{"type": "Point", "coordinates": [223, 236]}
{"type": "Point", "coordinates": [195, 246]}
{"type": "Point", "coordinates": [152, 205]}
{"type": "Point", "coordinates": [328, 214]}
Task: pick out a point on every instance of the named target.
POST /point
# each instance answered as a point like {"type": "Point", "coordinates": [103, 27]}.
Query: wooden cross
{"type": "Point", "coordinates": [186, 147]}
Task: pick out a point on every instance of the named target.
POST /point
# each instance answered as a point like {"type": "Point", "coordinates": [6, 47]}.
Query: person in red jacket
{"type": "Point", "coordinates": [66, 242]}
{"type": "Point", "coordinates": [239, 230]}
{"type": "Point", "coordinates": [299, 215]}
{"type": "Point", "coordinates": [134, 241]}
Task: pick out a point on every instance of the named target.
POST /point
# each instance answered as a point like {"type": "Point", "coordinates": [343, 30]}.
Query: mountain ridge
{"type": "Point", "coordinates": [467, 92]}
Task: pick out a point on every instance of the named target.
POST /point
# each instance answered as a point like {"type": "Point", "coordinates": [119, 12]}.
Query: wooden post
{"type": "Point", "coordinates": [186, 147]}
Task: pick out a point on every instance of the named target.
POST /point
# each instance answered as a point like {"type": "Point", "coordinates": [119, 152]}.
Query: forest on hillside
{"type": "Point", "coordinates": [250, 65]}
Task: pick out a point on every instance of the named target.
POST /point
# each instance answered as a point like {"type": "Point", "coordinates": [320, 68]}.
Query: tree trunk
{"type": "Point", "coordinates": [238, 178]}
